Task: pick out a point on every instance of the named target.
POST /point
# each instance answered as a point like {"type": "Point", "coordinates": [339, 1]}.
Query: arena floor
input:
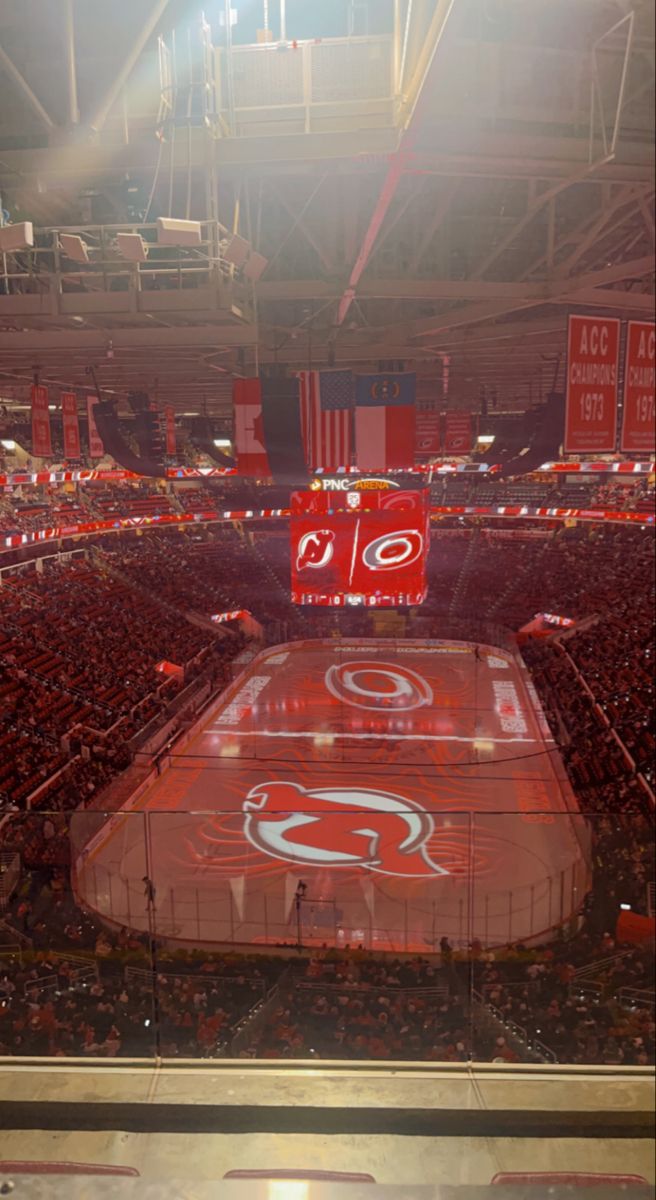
{"type": "Point", "coordinates": [375, 792]}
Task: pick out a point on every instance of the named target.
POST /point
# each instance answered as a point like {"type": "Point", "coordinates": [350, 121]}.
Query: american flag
{"type": "Point", "coordinates": [326, 417]}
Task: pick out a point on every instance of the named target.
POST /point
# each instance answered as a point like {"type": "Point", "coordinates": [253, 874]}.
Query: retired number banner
{"type": "Point", "coordinates": [169, 427]}
{"type": "Point", "coordinates": [638, 424]}
{"type": "Point", "coordinates": [70, 425]}
{"type": "Point", "coordinates": [427, 433]}
{"type": "Point", "coordinates": [41, 439]}
{"type": "Point", "coordinates": [96, 448]}
{"type": "Point", "coordinates": [458, 433]}
{"type": "Point", "coordinates": [593, 347]}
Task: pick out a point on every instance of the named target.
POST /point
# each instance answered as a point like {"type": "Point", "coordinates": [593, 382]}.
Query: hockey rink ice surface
{"type": "Point", "coordinates": [412, 789]}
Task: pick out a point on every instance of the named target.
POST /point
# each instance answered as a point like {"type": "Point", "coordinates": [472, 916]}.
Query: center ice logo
{"type": "Point", "coordinates": [377, 686]}
{"type": "Point", "coordinates": [340, 827]}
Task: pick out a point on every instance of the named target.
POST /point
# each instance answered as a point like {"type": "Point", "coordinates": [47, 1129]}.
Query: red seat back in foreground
{"type": "Point", "coordinates": [22, 1166]}
{"type": "Point", "coordinates": [311, 1176]}
{"type": "Point", "coordinates": [577, 1178]}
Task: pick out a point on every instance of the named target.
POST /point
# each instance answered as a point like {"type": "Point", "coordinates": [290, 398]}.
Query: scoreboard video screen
{"type": "Point", "coordinates": [362, 546]}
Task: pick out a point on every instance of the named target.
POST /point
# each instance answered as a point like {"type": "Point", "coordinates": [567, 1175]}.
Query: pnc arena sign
{"type": "Point", "coordinates": [345, 484]}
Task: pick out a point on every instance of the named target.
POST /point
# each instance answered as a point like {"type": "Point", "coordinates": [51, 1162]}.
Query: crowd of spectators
{"type": "Point", "coordinates": [78, 652]}
{"type": "Point", "coordinates": [578, 1021]}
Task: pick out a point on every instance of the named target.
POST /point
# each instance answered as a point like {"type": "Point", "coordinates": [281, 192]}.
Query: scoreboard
{"type": "Point", "coordinates": [359, 547]}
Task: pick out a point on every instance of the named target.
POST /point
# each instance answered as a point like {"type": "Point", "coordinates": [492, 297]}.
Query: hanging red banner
{"type": "Point", "coordinates": [70, 425]}
{"type": "Point", "coordinates": [458, 433]}
{"type": "Point", "coordinates": [41, 439]}
{"type": "Point", "coordinates": [593, 347]}
{"type": "Point", "coordinates": [169, 427]}
{"type": "Point", "coordinates": [427, 433]}
{"type": "Point", "coordinates": [96, 448]}
{"type": "Point", "coordinates": [638, 418]}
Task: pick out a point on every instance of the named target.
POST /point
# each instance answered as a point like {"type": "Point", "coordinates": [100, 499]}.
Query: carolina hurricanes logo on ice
{"type": "Point", "coordinates": [315, 549]}
{"type": "Point", "coordinates": [340, 827]}
{"type": "Point", "coordinates": [377, 685]}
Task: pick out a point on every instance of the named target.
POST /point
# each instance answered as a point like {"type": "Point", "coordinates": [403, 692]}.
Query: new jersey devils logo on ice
{"type": "Point", "coordinates": [340, 827]}
{"type": "Point", "coordinates": [315, 549]}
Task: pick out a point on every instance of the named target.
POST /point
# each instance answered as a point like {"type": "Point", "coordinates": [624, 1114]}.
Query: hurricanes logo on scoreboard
{"type": "Point", "coordinates": [393, 550]}
{"type": "Point", "coordinates": [340, 827]}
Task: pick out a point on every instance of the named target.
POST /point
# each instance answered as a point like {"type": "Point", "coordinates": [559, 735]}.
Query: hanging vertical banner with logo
{"type": "Point", "coordinates": [96, 448]}
{"type": "Point", "coordinates": [638, 417]}
{"type": "Point", "coordinates": [427, 433]}
{"type": "Point", "coordinates": [458, 433]}
{"type": "Point", "coordinates": [70, 425]}
{"type": "Point", "coordinates": [41, 439]}
{"type": "Point", "coordinates": [593, 347]}
{"type": "Point", "coordinates": [169, 427]}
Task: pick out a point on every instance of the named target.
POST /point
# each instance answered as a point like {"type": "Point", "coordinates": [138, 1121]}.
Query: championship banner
{"type": "Point", "coordinates": [638, 423]}
{"type": "Point", "coordinates": [458, 433]}
{"type": "Point", "coordinates": [169, 428]}
{"type": "Point", "coordinates": [70, 425]}
{"type": "Point", "coordinates": [427, 433]}
{"type": "Point", "coordinates": [96, 448]}
{"type": "Point", "coordinates": [41, 439]}
{"type": "Point", "coordinates": [593, 347]}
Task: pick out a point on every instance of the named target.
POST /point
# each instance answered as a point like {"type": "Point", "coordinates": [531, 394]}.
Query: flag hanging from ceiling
{"type": "Point", "coordinates": [385, 421]}
{"type": "Point", "coordinates": [281, 423]}
{"type": "Point", "coordinates": [252, 458]}
{"type": "Point", "coordinates": [326, 418]}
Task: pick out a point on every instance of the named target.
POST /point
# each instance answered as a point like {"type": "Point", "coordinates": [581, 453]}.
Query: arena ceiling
{"type": "Point", "coordinates": [450, 179]}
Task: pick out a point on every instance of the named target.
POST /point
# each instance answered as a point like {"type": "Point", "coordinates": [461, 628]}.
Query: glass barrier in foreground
{"type": "Point", "coordinates": [494, 937]}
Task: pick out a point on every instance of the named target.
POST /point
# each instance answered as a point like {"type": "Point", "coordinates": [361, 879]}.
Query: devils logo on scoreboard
{"type": "Point", "coordinates": [315, 549]}
{"type": "Point", "coordinates": [340, 827]}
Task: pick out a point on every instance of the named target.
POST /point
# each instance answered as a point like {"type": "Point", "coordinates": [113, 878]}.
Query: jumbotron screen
{"type": "Point", "coordinates": [359, 547]}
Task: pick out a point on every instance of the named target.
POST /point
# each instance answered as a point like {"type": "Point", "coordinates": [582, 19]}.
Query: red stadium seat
{"type": "Point", "coordinates": [21, 1166]}
{"type": "Point", "coordinates": [577, 1178]}
{"type": "Point", "coordinates": [311, 1176]}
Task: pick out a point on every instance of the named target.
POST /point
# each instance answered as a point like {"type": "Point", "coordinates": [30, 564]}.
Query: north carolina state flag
{"type": "Point", "coordinates": [385, 421]}
{"type": "Point", "coordinates": [252, 457]}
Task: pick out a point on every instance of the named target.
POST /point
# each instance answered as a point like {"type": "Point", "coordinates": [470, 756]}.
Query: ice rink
{"type": "Point", "coordinates": [380, 792]}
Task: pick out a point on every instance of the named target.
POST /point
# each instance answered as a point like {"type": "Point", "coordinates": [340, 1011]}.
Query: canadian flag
{"type": "Point", "coordinates": [249, 433]}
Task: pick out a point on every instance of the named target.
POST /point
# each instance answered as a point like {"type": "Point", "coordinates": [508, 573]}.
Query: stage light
{"type": "Point", "coordinates": [237, 250]}
{"type": "Point", "coordinates": [255, 267]}
{"type": "Point", "coordinates": [16, 237]}
{"type": "Point", "coordinates": [73, 247]}
{"type": "Point", "coordinates": [7, 443]}
{"type": "Point", "coordinates": [132, 247]}
{"type": "Point", "coordinates": [171, 232]}
{"type": "Point", "coordinates": [625, 907]}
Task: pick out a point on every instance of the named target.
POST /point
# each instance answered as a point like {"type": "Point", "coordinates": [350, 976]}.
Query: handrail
{"type": "Point", "coordinates": [600, 965]}
{"type": "Point", "coordinates": [637, 997]}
